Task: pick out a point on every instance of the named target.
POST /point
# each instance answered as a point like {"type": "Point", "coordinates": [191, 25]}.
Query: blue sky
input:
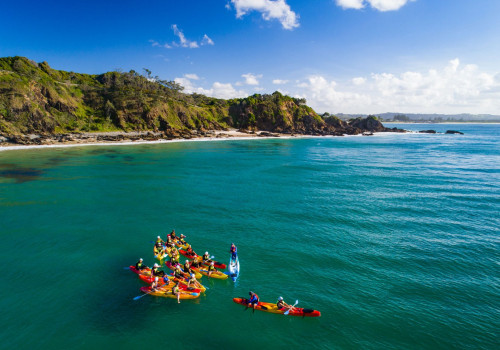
{"type": "Point", "coordinates": [350, 56]}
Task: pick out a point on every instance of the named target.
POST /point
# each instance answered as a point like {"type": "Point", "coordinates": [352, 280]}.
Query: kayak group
{"type": "Point", "coordinates": [183, 280]}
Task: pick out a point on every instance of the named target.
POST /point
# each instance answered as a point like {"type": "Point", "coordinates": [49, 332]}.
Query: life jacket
{"type": "Point", "coordinates": [175, 289]}
{"type": "Point", "coordinates": [206, 258]}
{"type": "Point", "coordinates": [210, 268]}
{"type": "Point", "coordinates": [280, 304]}
{"type": "Point", "coordinates": [233, 249]}
{"type": "Point", "coordinates": [254, 298]}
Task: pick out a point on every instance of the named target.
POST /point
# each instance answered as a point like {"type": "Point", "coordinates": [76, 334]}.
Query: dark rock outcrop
{"type": "Point", "coordinates": [453, 132]}
{"type": "Point", "coordinates": [427, 131]}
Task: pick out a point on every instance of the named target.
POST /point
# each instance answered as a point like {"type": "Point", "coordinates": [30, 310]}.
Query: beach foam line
{"type": "Point", "coordinates": [200, 139]}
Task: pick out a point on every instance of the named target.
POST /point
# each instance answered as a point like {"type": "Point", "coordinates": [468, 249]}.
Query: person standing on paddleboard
{"type": "Point", "coordinates": [234, 252]}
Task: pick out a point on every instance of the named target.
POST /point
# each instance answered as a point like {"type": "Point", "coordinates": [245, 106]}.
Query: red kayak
{"type": "Point", "coordinates": [193, 256]}
{"type": "Point", "coordinates": [139, 272]}
{"type": "Point", "coordinates": [270, 307]}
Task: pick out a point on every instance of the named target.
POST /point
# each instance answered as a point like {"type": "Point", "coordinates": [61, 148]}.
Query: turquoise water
{"type": "Point", "coordinates": [394, 238]}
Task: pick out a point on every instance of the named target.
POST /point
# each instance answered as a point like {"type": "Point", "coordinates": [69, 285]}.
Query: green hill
{"type": "Point", "coordinates": [36, 99]}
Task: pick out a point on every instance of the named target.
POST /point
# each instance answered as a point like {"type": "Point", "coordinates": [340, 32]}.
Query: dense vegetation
{"type": "Point", "coordinates": [34, 98]}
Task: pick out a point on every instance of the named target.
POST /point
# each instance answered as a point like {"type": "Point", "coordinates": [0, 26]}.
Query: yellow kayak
{"type": "Point", "coordinates": [167, 293]}
{"type": "Point", "coordinates": [215, 274]}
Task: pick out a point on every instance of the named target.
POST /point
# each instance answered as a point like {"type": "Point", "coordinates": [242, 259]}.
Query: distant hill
{"type": "Point", "coordinates": [437, 118]}
{"type": "Point", "coordinates": [36, 99]}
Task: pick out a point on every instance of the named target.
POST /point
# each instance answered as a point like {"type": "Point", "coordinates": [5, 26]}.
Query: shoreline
{"type": "Point", "coordinates": [91, 139]}
{"type": "Point", "coordinates": [225, 135]}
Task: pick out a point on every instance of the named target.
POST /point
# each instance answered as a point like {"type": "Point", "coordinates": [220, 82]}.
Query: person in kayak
{"type": "Point", "coordinates": [174, 253]}
{"type": "Point", "coordinates": [172, 235]}
{"type": "Point", "coordinates": [154, 284]}
{"type": "Point", "coordinates": [166, 280]}
{"type": "Point", "coordinates": [192, 281]}
{"type": "Point", "coordinates": [187, 267]}
{"type": "Point", "coordinates": [283, 306]}
{"type": "Point", "coordinates": [140, 266]}
{"type": "Point", "coordinates": [178, 272]}
{"type": "Point", "coordinates": [159, 241]}
{"type": "Point", "coordinates": [177, 292]}
{"type": "Point", "coordinates": [156, 272]}
{"type": "Point", "coordinates": [206, 258]}
{"type": "Point", "coordinates": [211, 269]}
{"type": "Point", "coordinates": [182, 241]}
{"type": "Point", "coordinates": [196, 262]}
{"type": "Point", "coordinates": [169, 242]}
{"type": "Point", "coordinates": [253, 301]}
{"type": "Point", "coordinates": [234, 252]}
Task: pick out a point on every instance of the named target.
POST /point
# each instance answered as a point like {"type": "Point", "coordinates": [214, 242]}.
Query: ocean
{"type": "Point", "coordinates": [395, 238]}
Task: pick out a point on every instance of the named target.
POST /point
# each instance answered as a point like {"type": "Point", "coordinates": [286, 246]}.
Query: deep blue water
{"type": "Point", "coordinates": [394, 238]}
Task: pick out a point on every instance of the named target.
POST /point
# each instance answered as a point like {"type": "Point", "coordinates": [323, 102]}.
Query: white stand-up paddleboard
{"type": "Point", "coordinates": [234, 268]}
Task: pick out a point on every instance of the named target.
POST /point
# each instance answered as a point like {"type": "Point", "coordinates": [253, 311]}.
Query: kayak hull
{"type": "Point", "coordinates": [196, 273]}
{"type": "Point", "coordinates": [167, 293]}
{"type": "Point", "coordinates": [193, 256]}
{"type": "Point", "coordinates": [172, 279]}
{"type": "Point", "coordinates": [216, 274]}
{"type": "Point", "coordinates": [272, 308]}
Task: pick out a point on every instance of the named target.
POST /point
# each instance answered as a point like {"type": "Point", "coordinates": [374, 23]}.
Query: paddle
{"type": "Point", "coordinates": [140, 296]}
{"type": "Point", "coordinates": [288, 311]}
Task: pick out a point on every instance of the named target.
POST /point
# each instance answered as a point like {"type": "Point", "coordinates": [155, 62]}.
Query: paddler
{"type": "Point", "coordinates": [156, 272]}
{"type": "Point", "coordinates": [140, 266]}
{"type": "Point", "coordinates": [178, 272]}
{"type": "Point", "coordinates": [211, 269]}
{"type": "Point", "coordinates": [182, 241]}
{"type": "Point", "coordinates": [253, 301]}
{"type": "Point", "coordinates": [206, 258]}
{"type": "Point", "coordinates": [169, 242]}
{"type": "Point", "coordinates": [166, 280]}
{"type": "Point", "coordinates": [190, 251]}
{"type": "Point", "coordinates": [159, 241]}
{"type": "Point", "coordinates": [187, 267]}
{"type": "Point", "coordinates": [192, 280]}
{"type": "Point", "coordinates": [283, 306]}
{"type": "Point", "coordinates": [172, 235]}
{"type": "Point", "coordinates": [234, 252]}
{"type": "Point", "coordinates": [154, 284]}
{"type": "Point", "coordinates": [176, 291]}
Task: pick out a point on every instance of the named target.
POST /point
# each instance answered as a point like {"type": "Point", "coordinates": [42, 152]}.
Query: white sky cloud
{"type": "Point", "coordinates": [219, 90]}
{"type": "Point", "coordinates": [450, 89]}
{"type": "Point", "coordinates": [206, 40]}
{"type": "Point", "coordinates": [182, 39]}
{"type": "Point", "coordinates": [270, 9]}
{"type": "Point", "coordinates": [279, 82]}
{"type": "Point", "coordinates": [455, 88]}
{"type": "Point", "coordinates": [381, 5]}
{"type": "Point", "coordinates": [251, 79]}
{"type": "Point", "coordinates": [155, 43]}
{"type": "Point", "coordinates": [358, 81]}
{"type": "Point", "coordinates": [351, 4]}
{"type": "Point", "coordinates": [191, 76]}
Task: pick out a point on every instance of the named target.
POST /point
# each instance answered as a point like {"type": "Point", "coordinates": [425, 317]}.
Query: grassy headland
{"type": "Point", "coordinates": [36, 99]}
